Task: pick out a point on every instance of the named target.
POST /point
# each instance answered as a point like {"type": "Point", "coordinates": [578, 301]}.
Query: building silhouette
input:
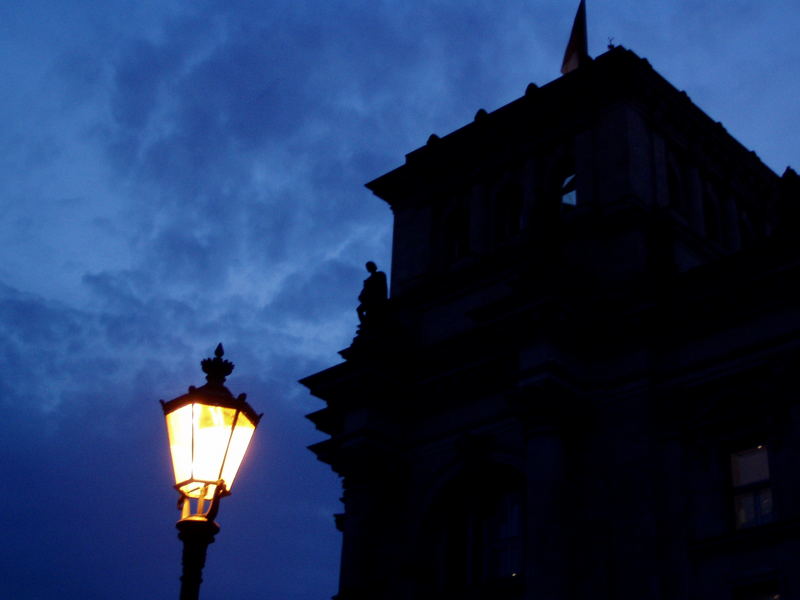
{"type": "Point", "coordinates": [585, 381]}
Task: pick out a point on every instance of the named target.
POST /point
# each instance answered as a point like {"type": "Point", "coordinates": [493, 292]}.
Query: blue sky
{"type": "Point", "coordinates": [176, 174]}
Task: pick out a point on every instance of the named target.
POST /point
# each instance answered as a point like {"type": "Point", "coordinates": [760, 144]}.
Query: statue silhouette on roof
{"type": "Point", "coordinates": [373, 297]}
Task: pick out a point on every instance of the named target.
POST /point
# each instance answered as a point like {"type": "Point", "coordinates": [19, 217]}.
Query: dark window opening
{"type": "Point", "coordinates": [766, 590]}
{"type": "Point", "coordinates": [752, 494]}
{"type": "Point", "coordinates": [480, 543]}
{"type": "Point", "coordinates": [456, 232]}
{"type": "Point", "coordinates": [508, 212]}
{"type": "Point", "coordinates": [475, 541]}
{"type": "Point", "coordinates": [747, 228]}
{"type": "Point", "coordinates": [503, 536]}
{"type": "Point", "coordinates": [677, 189]}
{"type": "Point", "coordinates": [711, 213]}
{"type": "Point", "coordinates": [569, 193]}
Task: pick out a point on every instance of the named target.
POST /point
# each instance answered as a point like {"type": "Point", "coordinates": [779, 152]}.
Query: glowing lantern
{"type": "Point", "coordinates": [209, 430]}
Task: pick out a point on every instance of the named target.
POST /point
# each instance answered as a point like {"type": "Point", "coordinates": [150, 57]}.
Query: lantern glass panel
{"type": "Point", "coordinates": [212, 433]}
{"type": "Point", "coordinates": [239, 441]}
{"type": "Point", "coordinates": [179, 429]}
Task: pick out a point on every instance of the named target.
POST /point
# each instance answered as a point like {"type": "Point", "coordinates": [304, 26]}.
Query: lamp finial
{"type": "Point", "coordinates": [217, 369]}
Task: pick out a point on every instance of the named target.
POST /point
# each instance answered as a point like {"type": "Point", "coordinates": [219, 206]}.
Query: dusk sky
{"type": "Point", "coordinates": [178, 174]}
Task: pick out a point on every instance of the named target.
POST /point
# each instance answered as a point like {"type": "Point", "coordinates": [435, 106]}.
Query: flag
{"type": "Point", "coordinates": [577, 52]}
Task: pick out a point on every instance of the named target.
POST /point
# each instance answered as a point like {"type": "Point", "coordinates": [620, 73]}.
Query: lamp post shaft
{"type": "Point", "coordinates": [196, 535]}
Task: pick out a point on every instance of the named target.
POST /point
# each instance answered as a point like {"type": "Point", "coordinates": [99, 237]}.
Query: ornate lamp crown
{"type": "Point", "coordinates": [217, 369]}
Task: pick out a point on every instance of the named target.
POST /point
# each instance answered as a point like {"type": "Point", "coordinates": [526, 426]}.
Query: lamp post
{"type": "Point", "coordinates": [209, 430]}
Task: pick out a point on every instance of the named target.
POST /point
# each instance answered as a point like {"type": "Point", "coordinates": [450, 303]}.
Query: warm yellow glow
{"type": "Point", "coordinates": [239, 442]}
{"type": "Point", "coordinates": [207, 444]}
{"type": "Point", "coordinates": [212, 432]}
{"type": "Point", "coordinates": [179, 429]}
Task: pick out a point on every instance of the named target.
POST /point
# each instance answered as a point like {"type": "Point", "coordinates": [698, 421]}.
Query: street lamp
{"type": "Point", "coordinates": [209, 430]}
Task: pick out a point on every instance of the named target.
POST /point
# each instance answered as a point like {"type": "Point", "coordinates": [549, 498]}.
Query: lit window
{"type": "Point", "coordinates": [752, 499]}
{"type": "Point", "coordinates": [569, 196]}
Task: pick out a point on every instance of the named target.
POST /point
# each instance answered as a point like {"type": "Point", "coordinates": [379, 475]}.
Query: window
{"type": "Point", "coordinates": [679, 190]}
{"type": "Point", "coordinates": [456, 231]}
{"type": "Point", "coordinates": [569, 194]}
{"type": "Point", "coordinates": [766, 590]}
{"type": "Point", "coordinates": [479, 543]}
{"type": "Point", "coordinates": [752, 495]}
{"type": "Point", "coordinates": [503, 537]}
{"type": "Point", "coordinates": [747, 231]}
{"type": "Point", "coordinates": [761, 596]}
{"type": "Point", "coordinates": [474, 540]}
{"type": "Point", "coordinates": [508, 212]}
{"type": "Point", "coordinates": [675, 188]}
{"type": "Point", "coordinates": [711, 212]}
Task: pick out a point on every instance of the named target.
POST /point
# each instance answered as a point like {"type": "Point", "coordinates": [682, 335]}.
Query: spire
{"type": "Point", "coordinates": [577, 52]}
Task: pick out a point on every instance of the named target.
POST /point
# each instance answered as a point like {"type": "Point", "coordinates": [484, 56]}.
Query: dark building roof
{"type": "Point", "coordinates": [568, 103]}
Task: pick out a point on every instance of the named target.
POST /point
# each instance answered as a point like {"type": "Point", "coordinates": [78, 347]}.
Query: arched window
{"type": "Point", "coordinates": [561, 172]}
{"type": "Point", "coordinates": [474, 538]}
{"type": "Point", "coordinates": [569, 193]}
